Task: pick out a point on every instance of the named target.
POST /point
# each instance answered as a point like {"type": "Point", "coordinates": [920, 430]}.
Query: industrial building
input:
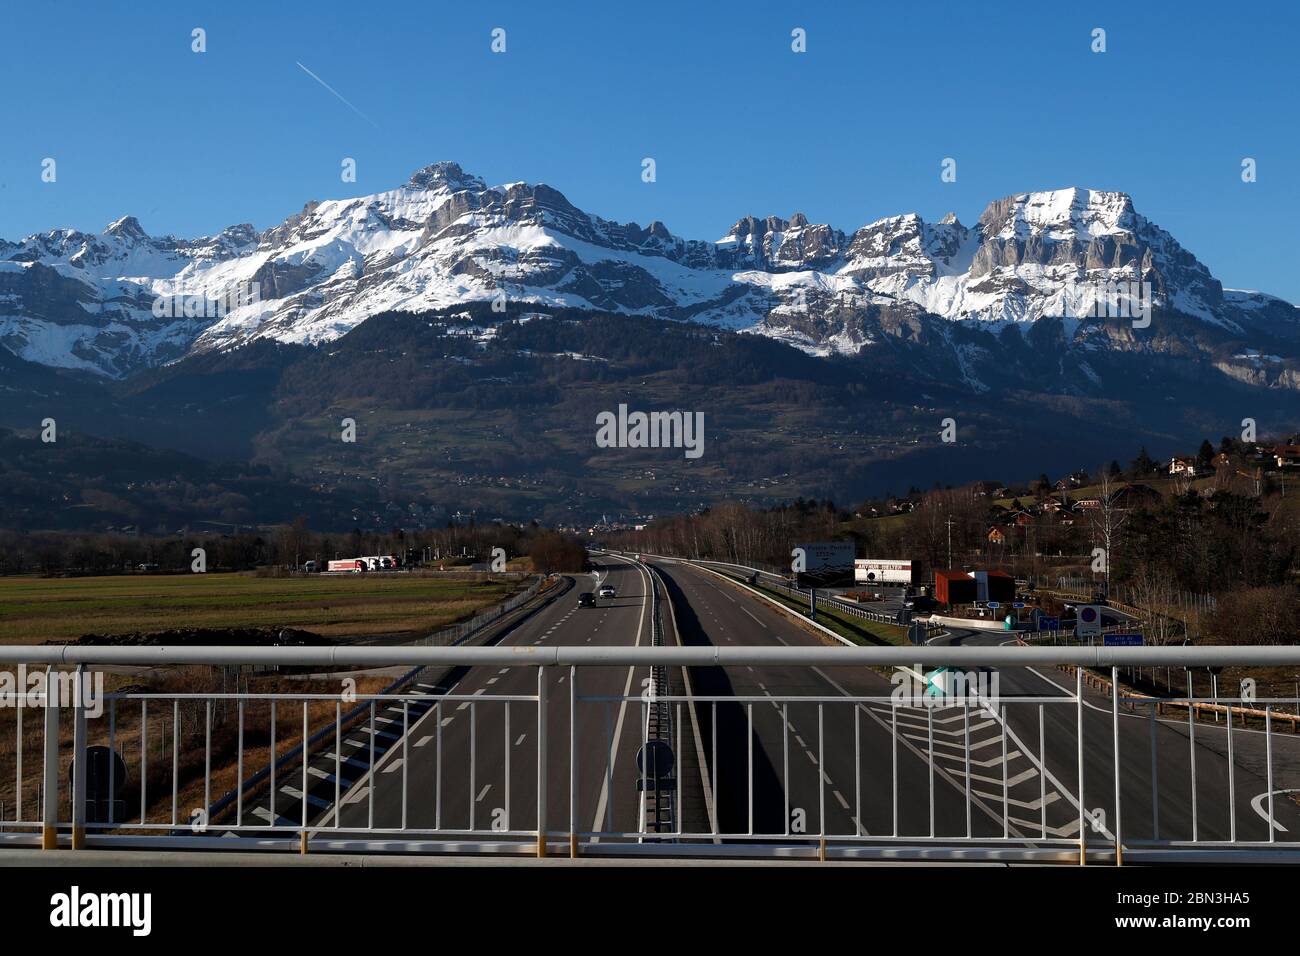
{"type": "Point", "coordinates": [972, 587]}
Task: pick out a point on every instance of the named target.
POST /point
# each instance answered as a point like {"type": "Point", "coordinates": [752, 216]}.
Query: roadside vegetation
{"type": "Point", "coordinates": [1212, 555]}
{"type": "Point", "coordinates": [856, 629]}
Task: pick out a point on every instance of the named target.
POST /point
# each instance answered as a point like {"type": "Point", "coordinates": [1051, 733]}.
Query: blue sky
{"type": "Point", "coordinates": [850, 131]}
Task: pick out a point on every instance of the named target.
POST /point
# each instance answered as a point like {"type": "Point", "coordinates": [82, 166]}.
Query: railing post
{"type": "Point", "coordinates": [79, 769]}
{"type": "Point", "coordinates": [542, 686]}
{"type": "Point", "coordinates": [1078, 703]}
{"type": "Point", "coordinates": [50, 796]}
{"type": "Point", "coordinates": [1114, 736]}
{"type": "Point", "coordinates": [573, 762]}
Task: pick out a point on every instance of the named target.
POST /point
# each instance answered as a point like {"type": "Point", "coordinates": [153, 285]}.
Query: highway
{"type": "Point", "coordinates": [487, 775]}
{"type": "Point", "coordinates": [750, 764]}
{"type": "Point", "coordinates": [1039, 791]}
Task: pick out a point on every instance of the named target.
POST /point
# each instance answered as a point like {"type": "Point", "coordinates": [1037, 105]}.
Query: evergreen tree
{"type": "Point", "coordinates": [1143, 464]}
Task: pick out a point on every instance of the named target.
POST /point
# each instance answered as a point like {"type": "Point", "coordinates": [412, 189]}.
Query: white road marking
{"type": "Point", "coordinates": [1035, 804]}
{"type": "Point", "coordinates": [1012, 781]}
{"type": "Point", "coordinates": [348, 760]}
{"type": "Point", "coordinates": [622, 710]}
{"type": "Point", "coordinates": [1257, 804]}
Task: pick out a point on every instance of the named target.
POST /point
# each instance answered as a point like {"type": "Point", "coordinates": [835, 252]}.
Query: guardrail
{"type": "Point", "coordinates": [455, 633]}
{"type": "Point", "coordinates": [937, 764]}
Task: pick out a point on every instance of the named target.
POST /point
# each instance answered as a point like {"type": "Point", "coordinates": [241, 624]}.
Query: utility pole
{"type": "Point", "coordinates": [949, 524]}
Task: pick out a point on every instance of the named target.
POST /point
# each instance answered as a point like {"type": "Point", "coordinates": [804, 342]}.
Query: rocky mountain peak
{"type": "Point", "coordinates": [127, 228]}
{"type": "Point", "coordinates": [444, 175]}
{"type": "Point", "coordinates": [1060, 214]}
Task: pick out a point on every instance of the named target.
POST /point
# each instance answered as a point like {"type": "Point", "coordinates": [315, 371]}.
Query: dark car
{"type": "Point", "coordinates": [586, 599]}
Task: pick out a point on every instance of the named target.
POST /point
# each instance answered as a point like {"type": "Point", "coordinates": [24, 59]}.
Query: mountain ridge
{"type": "Point", "coordinates": [444, 238]}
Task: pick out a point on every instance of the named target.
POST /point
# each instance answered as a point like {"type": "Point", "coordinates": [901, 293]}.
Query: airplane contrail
{"type": "Point", "coordinates": [343, 98]}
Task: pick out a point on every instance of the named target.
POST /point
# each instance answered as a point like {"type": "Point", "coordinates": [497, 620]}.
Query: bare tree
{"type": "Point", "coordinates": [1107, 519]}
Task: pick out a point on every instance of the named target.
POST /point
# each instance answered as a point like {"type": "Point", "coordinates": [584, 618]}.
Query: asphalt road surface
{"type": "Point", "coordinates": [470, 761]}
{"type": "Point", "coordinates": [839, 758]}
{"type": "Point", "coordinates": [791, 752]}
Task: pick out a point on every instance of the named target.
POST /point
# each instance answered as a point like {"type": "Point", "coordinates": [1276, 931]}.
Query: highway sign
{"type": "Point", "coordinates": [102, 764]}
{"type": "Point", "coordinates": [654, 765]}
{"type": "Point", "coordinates": [1088, 620]}
{"type": "Point", "coordinates": [1018, 604]}
{"type": "Point", "coordinates": [994, 604]}
{"type": "Point", "coordinates": [1046, 623]}
{"type": "Point", "coordinates": [1122, 640]}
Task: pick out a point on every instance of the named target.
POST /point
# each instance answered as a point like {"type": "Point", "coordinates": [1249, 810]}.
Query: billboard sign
{"type": "Point", "coordinates": [827, 564]}
{"type": "Point", "coordinates": [882, 571]}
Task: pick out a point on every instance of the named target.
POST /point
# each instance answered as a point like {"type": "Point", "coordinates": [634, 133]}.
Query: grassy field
{"type": "Point", "coordinates": [857, 629]}
{"type": "Point", "coordinates": [34, 609]}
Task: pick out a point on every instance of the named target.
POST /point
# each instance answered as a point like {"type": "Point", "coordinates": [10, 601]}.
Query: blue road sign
{"type": "Point", "coordinates": [1122, 640]}
{"type": "Point", "coordinates": [993, 604]}
{"type": "Point", "coordinates": [1019, 604]}
{"type": "Point", "coordinates": [1046, 623]}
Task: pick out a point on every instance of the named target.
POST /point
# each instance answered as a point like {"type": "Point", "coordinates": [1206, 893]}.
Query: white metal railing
{"type": "Point", "coordinates": [844, 771]}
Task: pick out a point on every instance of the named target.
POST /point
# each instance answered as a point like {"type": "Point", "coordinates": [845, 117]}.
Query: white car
{"type": "Point", "coordinates": [607, 591]}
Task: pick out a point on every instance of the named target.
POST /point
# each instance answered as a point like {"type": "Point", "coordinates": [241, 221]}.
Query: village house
{"type": "Point", "coordinates": [1287, 456]}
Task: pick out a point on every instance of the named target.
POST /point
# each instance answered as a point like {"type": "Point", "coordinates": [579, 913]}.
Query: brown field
{"type": "Point", "coordinates": [34, 609]}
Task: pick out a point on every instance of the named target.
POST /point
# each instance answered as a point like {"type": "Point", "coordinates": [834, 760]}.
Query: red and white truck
{"type": "Point", "coordinates": [371, 562]}
{"type": "Point", "coordinates": [349, 564]}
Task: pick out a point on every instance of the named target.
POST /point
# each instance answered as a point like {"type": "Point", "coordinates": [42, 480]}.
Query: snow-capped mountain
{"type": "Point", "coordinates": [121, 300]}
